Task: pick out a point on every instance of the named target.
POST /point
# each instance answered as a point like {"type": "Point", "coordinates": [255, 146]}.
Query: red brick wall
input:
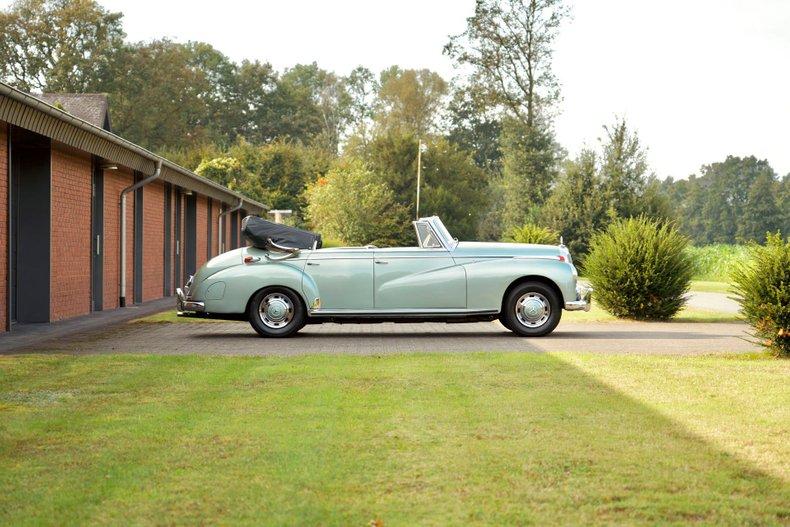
{"type": "Point", "coordinates": [215, 205]}
{"type": "Point", "coordinates": [153, 240]}
{"type": "Point", "coordinates": [114, 182]}
{"type": "Point", "coordinates": [3, 223]}
{"type": "Point", "coordinates": [70, 262]}
{"type": "Point", "coordinates": [201, 217]}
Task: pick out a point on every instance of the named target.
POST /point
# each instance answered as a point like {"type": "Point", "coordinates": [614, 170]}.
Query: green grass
{"type": "Point", "coordinates": [706, 286]}
{"type": "Point", "coordinates": [170, 317]}
{"type": "Point", "coordinates": [687, 314]}
{"type": "Point", "coordinates": [428, 439]}
{"type": "Point", "coordinates": [715, 262]}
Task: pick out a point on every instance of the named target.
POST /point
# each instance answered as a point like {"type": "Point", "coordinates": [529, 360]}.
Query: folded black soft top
{"type": "Point", "coordinates": [259, 232]}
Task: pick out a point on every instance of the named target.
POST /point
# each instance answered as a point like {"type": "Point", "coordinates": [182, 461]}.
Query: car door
{"type": "Point", "coordinates": [418, 279]}
{"type": "Point", "coordinates": [344, 277]}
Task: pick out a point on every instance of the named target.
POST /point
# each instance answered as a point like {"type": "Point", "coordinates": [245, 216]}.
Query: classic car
{"type": "Point", "coordinates": [284, 280]}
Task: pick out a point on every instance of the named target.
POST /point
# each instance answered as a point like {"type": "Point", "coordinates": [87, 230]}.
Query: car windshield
{"type": "Point", "coordinates": [444, 233]}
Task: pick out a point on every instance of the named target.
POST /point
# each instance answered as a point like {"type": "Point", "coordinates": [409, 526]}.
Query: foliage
{"type": "Point", "coordinates": [59, 45]}
{"type": "Point", "coordinates": [716, 262]}
{"type": "Point", "coordinates": [623, 170]}
{"type": "Point", "coordinates": [453, 187]}
{"type": "Point", "coordinates": [738, 199]}
{"type": "Point", "coordinates": [509, 46]}
{"type": "Point", "coordinates": [226, 171]}
{"type": "Point", "coordinates": [372, 217]}
{"type": "Point", "coordinates": [762, 286]}
{"type": "Point", "coordinates": [409, 101]}
{"type": "Point", "coordinates": [530, 166]}
{"type": "Point", "coordinates": [475, 128]}
{"type": "Point", "coordinates": [576, 208]}
{"type": "Point", "coordinates": [639, 269]}
{"type": "Point", "coordinates": [531, 233]}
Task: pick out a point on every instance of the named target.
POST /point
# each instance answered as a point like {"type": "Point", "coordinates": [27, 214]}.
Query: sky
{"type": "Point", "coordinates": [698, 79]}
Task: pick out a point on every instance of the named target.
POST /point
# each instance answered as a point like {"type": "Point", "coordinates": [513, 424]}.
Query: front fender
{"type": "Point", "coordinates": [240, 282]}
{"type": "Point", "coordinates": [487, 279]}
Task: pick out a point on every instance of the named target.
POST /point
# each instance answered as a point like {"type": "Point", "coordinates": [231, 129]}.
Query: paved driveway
{"type": "Point", "coordinates": [238, 338]}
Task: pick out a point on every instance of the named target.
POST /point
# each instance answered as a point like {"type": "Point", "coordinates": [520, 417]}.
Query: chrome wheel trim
{"type": "Point", "coordinates": [532, 310]}
{"type": "Point", "coordinates": [276, 310]}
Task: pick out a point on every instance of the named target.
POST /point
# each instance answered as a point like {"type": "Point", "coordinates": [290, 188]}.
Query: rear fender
{"type": "Point", "coordinates": [241, 282]}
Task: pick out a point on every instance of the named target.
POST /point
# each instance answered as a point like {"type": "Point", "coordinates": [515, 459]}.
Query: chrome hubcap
{"type": "Point", "coordinates": [276, 310]}
{"type": "Point", "coordinates": [533, 310]}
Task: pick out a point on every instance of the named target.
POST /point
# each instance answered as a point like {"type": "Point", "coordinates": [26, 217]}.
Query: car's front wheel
{"type": "Point", "coordinates": [532, 309]}
{"type": "Point", "coordinates": [276, 312]}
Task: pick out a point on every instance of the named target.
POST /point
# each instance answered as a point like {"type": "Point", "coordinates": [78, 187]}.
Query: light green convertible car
{"type": "Point", "coordinates": [280, 288]}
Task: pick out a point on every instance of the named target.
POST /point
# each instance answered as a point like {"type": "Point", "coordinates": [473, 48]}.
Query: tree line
{"type": "Point", "coordinates": [337, 148]}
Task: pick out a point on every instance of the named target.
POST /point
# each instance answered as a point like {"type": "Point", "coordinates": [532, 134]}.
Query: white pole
{"type": "Point", "coordinates": [419, 169]}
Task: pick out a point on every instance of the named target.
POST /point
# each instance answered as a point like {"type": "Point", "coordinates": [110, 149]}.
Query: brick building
{"type": "Point", "coordinates": [62, 177]}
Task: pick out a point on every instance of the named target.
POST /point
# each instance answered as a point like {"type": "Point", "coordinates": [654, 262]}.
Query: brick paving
{"type": "Point", "coordinates": [238, 338]}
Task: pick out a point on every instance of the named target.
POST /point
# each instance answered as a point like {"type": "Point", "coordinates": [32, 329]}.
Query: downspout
{"type": "Point", "coordinates": [220, 223]}
{"type": "Point", "coordinates": [124, 192]}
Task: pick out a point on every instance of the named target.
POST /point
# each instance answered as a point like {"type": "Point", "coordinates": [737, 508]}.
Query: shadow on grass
{"type": "Point", "coordinates": [410, 439]}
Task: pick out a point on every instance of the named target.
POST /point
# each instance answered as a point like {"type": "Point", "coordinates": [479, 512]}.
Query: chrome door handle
{"type": "Point", "coordinates": [312, 263]}
{"type": "Point", "coordinates": [381, 261]}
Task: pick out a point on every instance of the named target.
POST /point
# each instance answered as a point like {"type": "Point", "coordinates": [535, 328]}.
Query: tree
{"type": "Point", "coordinates": [509, 46]}
{"type": "Point", "coordinates": [409, 102]}
{"type": "Point", "coordinates": [623, 170]}
{"type": "Point", "coordinates": [329, 101]}
{"type": "Point", "coordinates": [453, 187]}
{"type": "Point", "coordinates": [761, 213]}
{"type": "Point", "coordinates": [475, 128]}
{"type": "Point", "coordinates": [279, 173]}
{"type": "Point", "coordinates": [576, 208]}
{"type": "Point", "coordinates": [374, 217]}
{"type": "Point", "coordinates": [362, 89]}
{"type": "Point", "coordinates": [59, 45]}
{"type": "Point", "coordinates": [530, 166]}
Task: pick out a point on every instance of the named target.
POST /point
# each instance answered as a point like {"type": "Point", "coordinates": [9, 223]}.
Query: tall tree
{"type": "Point", "coordinates": [362, 89]}
{"type": "Point", "coordinates": [761, 214]}
{"type": "Point", "coordinates": [329, 100]}
{"type": "Point", "coordinates": [59, 45]}
{"type": "Point", "coordinates": [576, 208]}
{"type": "Point", "coordinates": [475, 128]}
{"type": "Point", "coordinates": [509, 45]}
{"type": "Point", "coordinates": [623, 170]}
{"type": "Point", "coordinates": [409, 101]}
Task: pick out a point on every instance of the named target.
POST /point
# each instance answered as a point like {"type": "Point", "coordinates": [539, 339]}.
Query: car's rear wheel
{"type": "Point", "coordinates": [532, 309]}
{"type": "Point", "coordinates": [276, 312]}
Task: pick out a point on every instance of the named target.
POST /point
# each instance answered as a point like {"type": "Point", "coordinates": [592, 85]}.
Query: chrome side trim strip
{"type": "Point", "coordinates": [398, 312]}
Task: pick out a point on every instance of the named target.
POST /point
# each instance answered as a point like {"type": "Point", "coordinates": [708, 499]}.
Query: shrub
{"type": "Point", "coordinates": [639, 269]}
{"type": "Point", "coordinates": [531, 233]}
{"type": "Point", "coordinates": [762, 286]}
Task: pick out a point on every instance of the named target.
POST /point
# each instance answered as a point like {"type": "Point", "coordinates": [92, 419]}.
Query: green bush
{"type": "Point", "coordinates": [639, 269]}
{"type": "Point", "coordinates": [762, 286]}
{"type": "Point", "coordinates": [715, 262]}
{"type": "Point", "coordinates": [531, 233]}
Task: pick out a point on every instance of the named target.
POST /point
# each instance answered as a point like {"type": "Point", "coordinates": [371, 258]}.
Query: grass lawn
{"type": "Point", "coordinates": [705, 286]}
{"type": "Point", "coordinates": [488, 438]}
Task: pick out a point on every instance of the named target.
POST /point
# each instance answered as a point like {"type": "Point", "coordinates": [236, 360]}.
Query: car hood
{"type": "Point", "coordinates": [494, 249]}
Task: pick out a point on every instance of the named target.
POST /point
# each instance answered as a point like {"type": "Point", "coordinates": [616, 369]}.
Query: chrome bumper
{"type": "Point", "coordinates": [185, 305]}
{"type": "Point", "coordinates": [583, 300]}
